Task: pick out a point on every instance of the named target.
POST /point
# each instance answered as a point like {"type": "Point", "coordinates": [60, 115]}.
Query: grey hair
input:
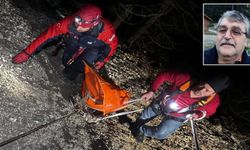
{"type": "Point", "coordinates": [235, 16]}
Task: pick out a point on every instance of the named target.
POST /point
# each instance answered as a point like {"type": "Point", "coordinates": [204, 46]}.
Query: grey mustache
{"type": "Point", "coordinates": [227, 44]}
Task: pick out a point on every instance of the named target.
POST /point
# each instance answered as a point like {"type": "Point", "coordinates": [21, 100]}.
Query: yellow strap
{"type": "Point", "coordinates": [185, 86]}
{"type": "Point", "coordinates": [205, 101]}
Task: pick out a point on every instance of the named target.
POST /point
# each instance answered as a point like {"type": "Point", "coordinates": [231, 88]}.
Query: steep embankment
{"type": "Point", "coordinates": [36, 92]}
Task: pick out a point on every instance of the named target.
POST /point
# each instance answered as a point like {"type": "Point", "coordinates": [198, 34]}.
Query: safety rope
{"type": "Point", "coordinates": [34, 130]}
{"type": "Point", "coordinates": [118, 114]}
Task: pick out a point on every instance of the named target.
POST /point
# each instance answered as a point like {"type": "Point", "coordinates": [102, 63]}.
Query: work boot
{"type": "Point", "coordinates": [135, 126]}
{"type": "Point", "coordinates": [139, 136]}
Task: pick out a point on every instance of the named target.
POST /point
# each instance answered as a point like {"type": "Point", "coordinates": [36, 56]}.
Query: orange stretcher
{"type": "Point", "coordinates": [101, 95]}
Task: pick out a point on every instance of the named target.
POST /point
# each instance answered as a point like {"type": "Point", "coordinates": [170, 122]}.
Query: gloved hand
{"type": "Point", "coordinates": [147, 95]}
{"type": "Point", "coordinates": [193, 116]}
{"type": "Point", "coordinates": [99, 65]}
{"type": "Point", "coordinates": [196, 115]}
{"type": "Point", "coordinates": [20, 57]}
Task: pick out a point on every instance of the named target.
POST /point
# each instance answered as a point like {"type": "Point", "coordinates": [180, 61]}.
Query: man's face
{"type": "Point", "coordinates": [80, 28]}
{"type": "Point", "coordinates": [202, 90]}
{"type": "Point", "coordinates": [230, 39]}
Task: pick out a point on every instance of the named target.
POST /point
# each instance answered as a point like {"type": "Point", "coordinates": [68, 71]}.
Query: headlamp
{"type": "Point", "coordinates": [78, 20]}
{"type": "Point", "coordinates": [174, 106]}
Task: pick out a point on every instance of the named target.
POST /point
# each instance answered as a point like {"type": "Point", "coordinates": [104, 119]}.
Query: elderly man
{"type": "Point", "coordinates": [84, 35]}
{"type": "Point", "coordinates": [185, 96]}
{"type": "Point", "coordinates": [231, 39]}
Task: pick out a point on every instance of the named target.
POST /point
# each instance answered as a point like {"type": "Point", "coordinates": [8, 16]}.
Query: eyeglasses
{"type": "Point", "coordinates": [234, 31]}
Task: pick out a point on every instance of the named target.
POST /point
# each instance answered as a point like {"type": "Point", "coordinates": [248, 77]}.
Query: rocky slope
{"type": "Point", "coordinates": [36, 92]}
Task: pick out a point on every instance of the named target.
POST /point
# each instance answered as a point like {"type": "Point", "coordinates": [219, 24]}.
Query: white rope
{"type": "Point", "coordinates": [118, 114]}
{"type": "Point", "coordinates": [125, 105]}
{"type": "Point", "coordinates": [133, 101]}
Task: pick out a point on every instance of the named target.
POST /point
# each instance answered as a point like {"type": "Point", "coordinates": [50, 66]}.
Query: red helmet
{"type": "Point", "coordinates": [88, 16]}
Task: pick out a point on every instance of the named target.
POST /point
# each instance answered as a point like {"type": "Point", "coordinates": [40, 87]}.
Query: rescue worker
{"type": "Point", "coordinates": [182, 98]}
{"type": "Point", "coordinates": [84, 35]}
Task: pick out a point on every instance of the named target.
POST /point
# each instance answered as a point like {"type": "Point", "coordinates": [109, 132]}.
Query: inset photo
{"type": "Point", "coordinates": [226, 34]}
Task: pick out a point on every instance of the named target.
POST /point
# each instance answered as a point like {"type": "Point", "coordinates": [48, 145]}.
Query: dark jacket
{"type": "Point", "coordinates": [211, 57]}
